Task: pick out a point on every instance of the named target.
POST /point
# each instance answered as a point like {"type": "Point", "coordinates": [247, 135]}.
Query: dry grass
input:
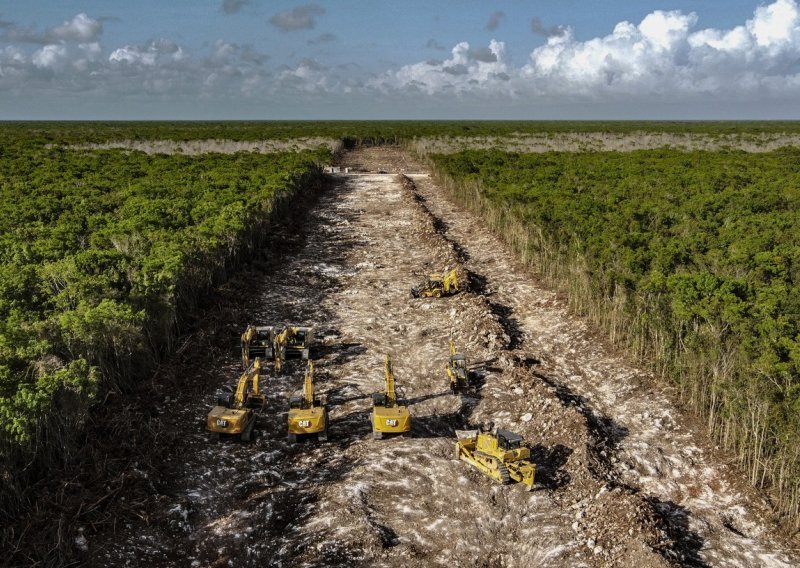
{"type": "Point", "coordinates": [606, 141]}
{"type": "Point", "coordinates": [195, 147]}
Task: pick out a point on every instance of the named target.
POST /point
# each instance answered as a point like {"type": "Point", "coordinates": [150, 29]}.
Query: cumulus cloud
{"type": "Point", "coordinates": [50, 57]}
{"type": "Point", "coordinates": [161, 51]}
{"type": "Point", "coordinates": [663, 57]}
{"type": "Point", "coordinates": [494, 21]}
{"type": "Point", "coordinates": [233, 6]}
{"type": "Point", "coordinates": [299, 18]}
{"type": "Point", "coordinates": [467, 70]}
{"type": "Point", "coordinates": [223, 53]}
{"type": "Point", "coordinates": [80, 28]}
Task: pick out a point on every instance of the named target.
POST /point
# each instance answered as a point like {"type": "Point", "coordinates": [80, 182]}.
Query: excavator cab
{"type": "Point", "coordinates": [457, 370]}
{"type": "Point", "coordinates": [257, 341]}
{"type": "Point", "coordinates": [297, 341]}
{"type": "Point", "coordinates": [292, 341]}
{"type": "Point", "coordinates": [508, 440]}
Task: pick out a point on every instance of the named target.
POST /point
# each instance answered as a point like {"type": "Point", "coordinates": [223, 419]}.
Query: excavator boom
{"type": "Point", "coordinates": [391, 395]}
{"type": "Point", "coordinates": [308, 385]}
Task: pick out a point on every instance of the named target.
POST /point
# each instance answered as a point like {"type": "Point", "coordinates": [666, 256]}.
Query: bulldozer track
{"type": "Point", "coordinates": [609, 497]}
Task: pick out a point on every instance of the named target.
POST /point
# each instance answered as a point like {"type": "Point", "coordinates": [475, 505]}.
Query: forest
{"type": "Point", "coordinates": [102, 255]}
{"type": "Point", "coordinates": [689, 259]}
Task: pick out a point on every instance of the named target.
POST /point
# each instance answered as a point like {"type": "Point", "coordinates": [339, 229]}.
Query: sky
{"type": "Point", "coordinates": [412, 59]}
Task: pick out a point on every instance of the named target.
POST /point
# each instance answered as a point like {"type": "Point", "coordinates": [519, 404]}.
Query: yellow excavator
{"type": "Point", "coordinates": [388, 416]}
{"type": "Point", "coordinates": [292, 341]}
{"type": "Point", "coordinates": [438, 285]}
{"type": "Point", "coordinates": [235, 413]}
{"type": "Point", "coordinates": [307, 413]}
{"type": "Point", "coordinates": [457, 370]}
{"type": "Point", "coordinates": [500, 456]}
{"type": "Point", "coordinates": [257, 341]}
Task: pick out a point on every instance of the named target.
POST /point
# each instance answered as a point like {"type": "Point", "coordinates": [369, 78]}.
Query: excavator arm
{"type": "Point", "coordinates": [280, 349]}
{"type": "Point", "coordinates": [391, 396]}
{"type": "Point", "coordinates": [450, 281]}
{"type": "Point", "coordinates": [308, 386]}
{"type": "Point", "coordinates": [241, 390]}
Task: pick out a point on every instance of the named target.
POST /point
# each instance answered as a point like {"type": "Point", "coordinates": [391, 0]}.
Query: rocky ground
{"type": "Point", "coordinates": [623, 478]}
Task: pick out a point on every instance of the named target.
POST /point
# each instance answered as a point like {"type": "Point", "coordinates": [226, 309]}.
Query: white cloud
{"type": "Point", "coordinates": [663, 57]}
{"type": "Point", "coordinates": [162, 51]}
{"type": "Point", "coordinates": [50, 57]}
{"type": "Point", "coordinates": [467, 70]}
{"type": "Point", "coordinates": [133, 56]}
{"type": "Point", "coordinates": [308, 76]}
{"type": "Point", "coordinates": [666, 57]}
{"type": "Point", "coordinates": [80, 28]}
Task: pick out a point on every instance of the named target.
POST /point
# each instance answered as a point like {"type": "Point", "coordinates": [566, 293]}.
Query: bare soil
{"type": "Point", "coordinates": [623, 478]}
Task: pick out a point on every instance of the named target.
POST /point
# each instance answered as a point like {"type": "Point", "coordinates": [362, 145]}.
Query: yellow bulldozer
{"type": "Point", "coordinates": [307, 413]}
{"type": "Point", "coordinates": [235, 413]}
{"type": "Point", "coordinates": [388, 415]}
{"type": "Point", "coordinates": [458, 371]}
{"type": "Point", "coordinates": [438, 285]}
{"type": "Point", "coordinates": [257, 341]}
{"type": "Point", "coordinates": [292, 341]}
{"type": "Point", "coordinates": [499, 455]}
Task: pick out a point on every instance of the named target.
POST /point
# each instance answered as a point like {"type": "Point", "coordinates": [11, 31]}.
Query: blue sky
{"type": "Point", "coordinates": [257, 59]}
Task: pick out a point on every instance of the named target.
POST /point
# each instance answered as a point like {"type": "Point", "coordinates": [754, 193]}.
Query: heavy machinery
{"type": "Point", "coordinates": [257, 341]}
{"type": "Point", "coordinates": [500, 456]}
{"type": "Point", "coordinates": [292, 341]}
{"type": "Point", "coordinates": [236, 412]}
{"type": "Point", "coordinates": [388, 415]}
{"type": "Point", "coordinates": [307, 413]}
{"type": "Point", "coordinates": [457, 371]}
{"type": "Point", "coordinates": [438, 285]}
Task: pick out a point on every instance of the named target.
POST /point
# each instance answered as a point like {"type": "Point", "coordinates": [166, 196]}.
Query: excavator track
{"type": "Point", "coordinates": [494, 467]}
{"type": "Point", "coordinates": [505, 478]}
